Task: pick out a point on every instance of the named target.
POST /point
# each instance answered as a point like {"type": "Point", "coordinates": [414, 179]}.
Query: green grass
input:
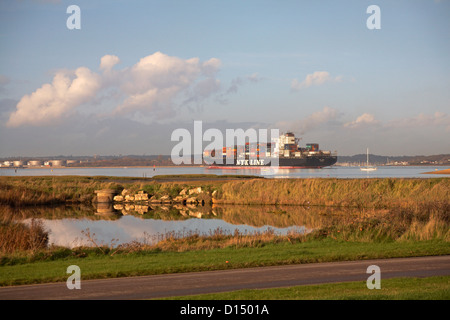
{"type": "Point", "coordinates": [47, 267]}
{"type": "Point", "coordinates": [430, 288]}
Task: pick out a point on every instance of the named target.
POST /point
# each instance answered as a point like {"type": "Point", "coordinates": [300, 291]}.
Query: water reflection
{"type": "Point", "coordinates": [150, 223]}
{"type": "Point", "coordinates": [66, 224]}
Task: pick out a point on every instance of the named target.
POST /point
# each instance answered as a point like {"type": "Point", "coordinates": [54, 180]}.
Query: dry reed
{"type": "Point", "coordinates": [16, 236]}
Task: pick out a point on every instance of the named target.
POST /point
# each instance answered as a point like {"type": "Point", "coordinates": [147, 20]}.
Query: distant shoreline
{"type": "Point", "coordinates": [106, 167]}
{"type": "Point", "coordinates": [445, 171]}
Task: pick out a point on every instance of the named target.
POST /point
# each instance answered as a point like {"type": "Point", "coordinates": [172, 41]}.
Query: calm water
{"type": "Point", "coordinates": [68, 226]}
{"type": "Point", "coordinates": [69, 232]}
{"type": "Point", "coordinates": [331, 172]}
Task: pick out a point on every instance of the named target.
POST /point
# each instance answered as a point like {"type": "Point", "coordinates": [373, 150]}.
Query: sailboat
{"type": "Point", "coordinates": [367, 167]}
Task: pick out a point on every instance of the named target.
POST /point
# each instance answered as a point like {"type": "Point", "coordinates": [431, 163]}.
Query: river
{"type": "Point", "coordinates": [328, 172]}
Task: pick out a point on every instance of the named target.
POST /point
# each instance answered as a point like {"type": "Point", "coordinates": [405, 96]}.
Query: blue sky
{"type": "Point", "coordinates": [308, 66]}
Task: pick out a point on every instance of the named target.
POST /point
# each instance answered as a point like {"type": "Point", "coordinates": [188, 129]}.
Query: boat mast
{"type": "Point", "coordinates": [367, 156]}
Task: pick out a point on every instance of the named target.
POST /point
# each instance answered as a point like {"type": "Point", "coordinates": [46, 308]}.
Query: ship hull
{"type": "Point", "coordinates": [283, 163]}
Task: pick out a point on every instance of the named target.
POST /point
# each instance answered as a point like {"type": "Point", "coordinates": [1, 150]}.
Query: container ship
{"type": "Point", "coordinates": [284, 154]}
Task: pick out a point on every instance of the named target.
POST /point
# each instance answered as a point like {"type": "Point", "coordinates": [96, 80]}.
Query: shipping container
{"type": "Point", "coordinates": [312, 146]}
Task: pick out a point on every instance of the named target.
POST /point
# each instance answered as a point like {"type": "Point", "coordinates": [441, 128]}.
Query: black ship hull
{"type": "Point", "coordinates": [283, 163]}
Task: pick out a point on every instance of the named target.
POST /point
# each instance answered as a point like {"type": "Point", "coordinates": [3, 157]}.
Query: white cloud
{"type": "Point", "coordinates": [313, 121]}
{"type": "Point", "coordinates": [108, 61]}
{"type": "Point", "coordinates": [211, 66]}
{"type": "Point", "coordinates": [54, 101]}
{"type": "Point", "coordinates": [153, 86]}
{"type": "Point", "coordinates": [158, 79]}
{"type": "Point", "coordinates": [240, 81]}
{"type": "Point", "coordinates": [438, 119]}
{"type": "Point", "coordinates": [363, 120]}
{"type": "Point", "coordinates": [314, 79]}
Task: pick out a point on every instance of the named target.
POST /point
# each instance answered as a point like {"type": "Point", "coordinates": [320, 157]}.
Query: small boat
{"type": "Point", "coordinates": [367, 167]}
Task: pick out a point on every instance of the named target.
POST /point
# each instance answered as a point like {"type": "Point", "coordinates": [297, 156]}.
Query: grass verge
{"type": "Point", "coordinates": [430, 288]}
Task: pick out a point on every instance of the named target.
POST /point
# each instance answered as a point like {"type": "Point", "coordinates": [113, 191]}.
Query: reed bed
{"type": "Point", "coordinates": [361, 193]}
{"type": "Point", "coordinates": [23, 191]}
{"type": "Point", "coordinates": [17, 236]}
{"type": "Point", "coordinates": [51, 190]}
{"type": "Point", "coordinates": [193, 240]}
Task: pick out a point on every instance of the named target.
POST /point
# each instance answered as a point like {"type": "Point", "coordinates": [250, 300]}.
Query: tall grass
{"type": "Point", "coordinates": [17, 236]}
{"type": "Point", "coordinates": [360, 193]}
{"type": "Point", "coordinates": [363, 193]}
{"type": "Point", "coordinates": [15, 191]}
{"type": "Point", "coordinates": [396, 224]}
{"type": "Point", "coordinates": [47, 190]}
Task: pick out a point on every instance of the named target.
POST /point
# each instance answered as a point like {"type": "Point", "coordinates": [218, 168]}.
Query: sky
{"type": "Point", "coordinates": [135, 71]}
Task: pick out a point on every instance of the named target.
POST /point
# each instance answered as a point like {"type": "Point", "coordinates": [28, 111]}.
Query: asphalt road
{"type": "Point", "coordinates": [158, 286]}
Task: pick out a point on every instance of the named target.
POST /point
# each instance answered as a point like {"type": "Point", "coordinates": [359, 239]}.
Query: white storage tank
{"type": "Point", "coordinates": [58, 163]}
{"type": "Point", "coordinates": [7, 164]}
{"type": "Point", "coordinates": [35, 163]}
{"type": "Point", "coordinates": [69, 162]}
{"type": "Point", "coordinates": [18, 163]}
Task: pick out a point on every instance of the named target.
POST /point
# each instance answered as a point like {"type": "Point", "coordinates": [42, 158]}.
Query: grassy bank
{"type": "Point", "coordinates": [445, 171]}
{"type": "Point", "coordinates": [432, 288]}
{"type": "Point", "coordinates": [361, 193]}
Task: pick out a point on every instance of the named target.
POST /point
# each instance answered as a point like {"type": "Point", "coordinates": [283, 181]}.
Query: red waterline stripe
{"type": "Point", "coordinates": [254, 167]}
